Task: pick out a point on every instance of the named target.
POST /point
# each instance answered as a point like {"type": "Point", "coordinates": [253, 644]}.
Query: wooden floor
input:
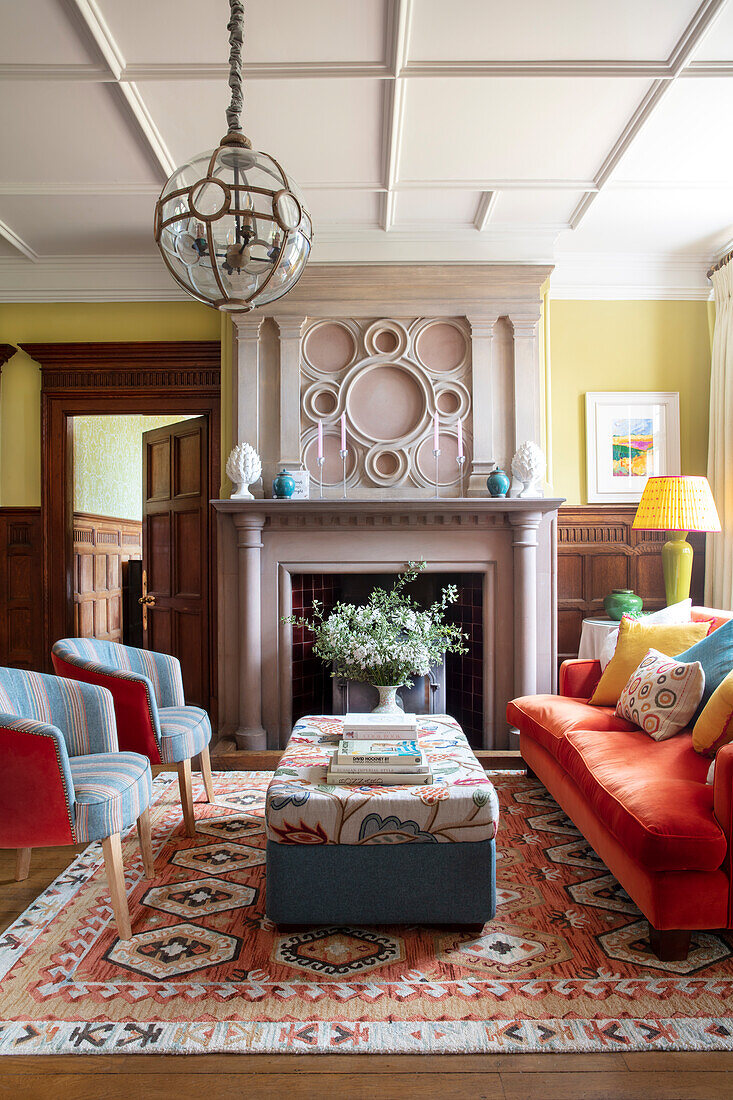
{"type": "Point", "coordinates": [643, 1076]}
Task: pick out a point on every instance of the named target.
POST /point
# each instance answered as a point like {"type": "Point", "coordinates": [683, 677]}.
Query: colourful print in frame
{"type": "Point", "coordinates": [630, 436]}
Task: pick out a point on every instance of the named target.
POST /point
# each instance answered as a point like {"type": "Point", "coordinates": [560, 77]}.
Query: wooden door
{"type": "Point", "coordinates": [175, 550]}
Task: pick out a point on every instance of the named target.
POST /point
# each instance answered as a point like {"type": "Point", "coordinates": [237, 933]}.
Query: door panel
{"type": "Point", "coordinates": [175, 549]}
{"type": "Point", "coordinates": [187, 571]}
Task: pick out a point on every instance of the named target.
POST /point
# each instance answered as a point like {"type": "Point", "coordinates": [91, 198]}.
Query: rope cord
{"type": "Point", "coordinates": [235, 26]}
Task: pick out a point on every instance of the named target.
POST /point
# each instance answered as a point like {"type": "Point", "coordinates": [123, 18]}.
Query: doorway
{"type": "Point", "coordinates": [173, 379]}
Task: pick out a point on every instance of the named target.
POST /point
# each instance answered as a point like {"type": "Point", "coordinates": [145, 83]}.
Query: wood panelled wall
{"type": "Point", "coordinates": [101, 545]}
{"type": "Point", "coordinates": [598, 551]}
{"type": "Point", "coordinates": [21, 586]}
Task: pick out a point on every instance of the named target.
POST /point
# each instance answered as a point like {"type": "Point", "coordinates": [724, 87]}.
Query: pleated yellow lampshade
{"type": "Point", "coordinates": [678, 503]}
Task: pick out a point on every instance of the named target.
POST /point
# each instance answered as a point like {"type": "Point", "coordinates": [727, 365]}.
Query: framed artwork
{"type": "Point", "coordinates": [629, 437]}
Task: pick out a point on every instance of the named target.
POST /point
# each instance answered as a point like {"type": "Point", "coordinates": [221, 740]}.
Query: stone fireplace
{"type": "Point", "coordinates": [386, 347]}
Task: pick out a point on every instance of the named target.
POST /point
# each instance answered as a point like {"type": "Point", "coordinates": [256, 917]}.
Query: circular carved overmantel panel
{"type": "Point", "coordinates": [387, 377]}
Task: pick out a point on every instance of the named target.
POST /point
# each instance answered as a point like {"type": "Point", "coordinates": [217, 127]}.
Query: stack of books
{"type": "Point", "coordinates": [387, 727]}
{"type": "Point", "coordinates": [382, 763]}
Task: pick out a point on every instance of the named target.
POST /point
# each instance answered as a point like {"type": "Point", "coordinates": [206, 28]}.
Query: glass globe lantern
{"type": "Point", "coordinates": [233, 228]}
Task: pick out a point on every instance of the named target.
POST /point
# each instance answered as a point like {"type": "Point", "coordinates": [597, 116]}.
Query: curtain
{"type": "Point", "coordinates": [719, 548]}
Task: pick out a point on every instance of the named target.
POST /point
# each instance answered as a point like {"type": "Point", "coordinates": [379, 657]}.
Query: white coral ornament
{"type": "Point", "coordinates": [243, 469]}
{"type": "Point", "coordinates": [528, 466]}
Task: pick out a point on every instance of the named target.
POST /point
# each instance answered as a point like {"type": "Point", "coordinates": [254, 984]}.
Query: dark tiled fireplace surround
{"type": "Point", "coordinates": [464, 672]}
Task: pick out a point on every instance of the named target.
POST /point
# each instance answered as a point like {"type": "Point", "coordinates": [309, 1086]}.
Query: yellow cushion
{"type": "Point", "coordinates": [714, 727]}
{"type": "Point", "coordinates": [635, 639]}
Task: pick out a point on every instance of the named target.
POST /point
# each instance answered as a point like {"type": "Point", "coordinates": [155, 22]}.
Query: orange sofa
{"type": "Point", "coordinates": [643, 805]}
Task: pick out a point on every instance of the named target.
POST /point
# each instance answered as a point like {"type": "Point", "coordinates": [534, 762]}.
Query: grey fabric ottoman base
{"type": "Point", "coordinates": [381, 883]}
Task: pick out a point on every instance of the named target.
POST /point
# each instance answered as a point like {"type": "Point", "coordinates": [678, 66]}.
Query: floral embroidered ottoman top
{"type": "Point", "coordinates": [459, 805]}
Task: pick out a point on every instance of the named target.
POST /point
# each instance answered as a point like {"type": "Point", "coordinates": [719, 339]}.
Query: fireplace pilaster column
{"type": "Point", "coordinates": [483, 459]}
{"type": "Point", "coordinates": [250, 733]}
{"type": "Point", "coordinates": [290, 335]}
{"type": "Point", "coordinates": [527, 419]}
{"type": "Point", "coordinates": [246, 380]}
{"type": "Point", "coordinates": [524, 542]}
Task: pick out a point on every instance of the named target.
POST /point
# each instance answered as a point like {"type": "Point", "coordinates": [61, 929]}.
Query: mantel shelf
{"type": "Point", "coordinates": [390, 506]}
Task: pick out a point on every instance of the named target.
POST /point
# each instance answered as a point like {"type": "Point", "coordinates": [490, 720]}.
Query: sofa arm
{"type": "Point", "coordinates": [578, 679]}
{"type": "Point", "coordinates": [723, 808]}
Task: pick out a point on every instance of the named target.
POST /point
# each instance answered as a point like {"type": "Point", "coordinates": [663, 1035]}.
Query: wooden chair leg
{"type": "Point", "coordinates": [146, 843]}
{"type": "Point", "coordinates": [184, 783]}
{"type": "Point", "coordinates": [206, 774]}
{"type": "Point", "coordinates": [116, 879]}
{"type": "Point", "coordinates": [670, 944]}
{"type": "Point", "coordinates": [22, 863]}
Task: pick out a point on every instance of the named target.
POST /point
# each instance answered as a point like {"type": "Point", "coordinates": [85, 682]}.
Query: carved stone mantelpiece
{"type": "Point", "coordinates": [261, 544]}
{"type": "Point", "coordinates": [278, 397]}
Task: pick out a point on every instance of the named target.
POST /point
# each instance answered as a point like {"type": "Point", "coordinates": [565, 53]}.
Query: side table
{"type": "Point", "coordinates": [593, 635]}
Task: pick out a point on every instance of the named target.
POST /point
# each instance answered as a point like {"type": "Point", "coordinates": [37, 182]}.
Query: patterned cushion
{"type": "Point", "coordinates": [83, 713]}
{"type": "Point", "coordinates": [162, 670]}
{"type": "Point", "coordinates": [185, 731]}
{"type": "Point", "coordinates": [459, 805]}
{"type": "Point", "coordinates": [662, 694]}
{"type": "Point", "coordinates": [111, 791]}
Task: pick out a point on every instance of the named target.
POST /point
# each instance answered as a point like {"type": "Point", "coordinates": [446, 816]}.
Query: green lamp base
{"type": "Point", "coordinates": [677, 567]}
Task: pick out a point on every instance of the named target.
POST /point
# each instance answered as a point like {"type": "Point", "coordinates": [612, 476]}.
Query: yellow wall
{"type": "Point", "coordinates": [625, 346]}
{"type": "Point", "coordinates": [20, 385]}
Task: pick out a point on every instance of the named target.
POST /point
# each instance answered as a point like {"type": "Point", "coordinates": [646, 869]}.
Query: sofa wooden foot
{"type": "Point", "coordinates": [671, 944]}
{"type": "Point", "coordinates": [530, 773]}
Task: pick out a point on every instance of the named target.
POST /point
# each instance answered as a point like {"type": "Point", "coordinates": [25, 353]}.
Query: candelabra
{"type": "Point", "coordinates": [461, 460]}
{"type": "Point", "coordinates": [320, 461]}
{"type": "Point", "coordinates": [344, 452]}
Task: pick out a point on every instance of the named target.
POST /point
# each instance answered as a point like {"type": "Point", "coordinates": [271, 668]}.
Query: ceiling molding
{"type": "Point", "coordinates": [486, 207]}
{"type": "Point", "coordinates": [17, 242]}
{"type": "Point", "coordinates": [618, 276]}
{"type": "Point", "coordinates": [519, 68]}
{"type": "Point", "coordinates": [397, 37]}
{"type": "Point", "coordinates": [87, 16]}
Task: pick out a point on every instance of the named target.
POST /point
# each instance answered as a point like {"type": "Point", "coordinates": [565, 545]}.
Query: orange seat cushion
{"type": "Point", "coordinates": [547, 719]}
{"type": "Point", "coordinates": [651, 795]}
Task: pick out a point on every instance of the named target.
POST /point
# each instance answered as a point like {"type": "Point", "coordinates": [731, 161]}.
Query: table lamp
{"type": "Point", "coordinates": [678, 505]}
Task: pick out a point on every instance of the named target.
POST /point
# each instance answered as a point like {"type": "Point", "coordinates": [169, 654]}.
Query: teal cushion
{"type": "Point", "coordinates": [715, 654]}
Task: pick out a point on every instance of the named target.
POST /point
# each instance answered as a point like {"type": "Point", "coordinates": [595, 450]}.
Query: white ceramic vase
{"type": "Point", "coordinates": [388, 699]}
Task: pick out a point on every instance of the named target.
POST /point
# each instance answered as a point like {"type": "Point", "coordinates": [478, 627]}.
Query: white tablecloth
{"type": "Point", "coordinates": [592, 637]}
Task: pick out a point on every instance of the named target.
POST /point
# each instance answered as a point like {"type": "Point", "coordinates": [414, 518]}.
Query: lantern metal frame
{"type": "Point", "coordinates": [235, 142]}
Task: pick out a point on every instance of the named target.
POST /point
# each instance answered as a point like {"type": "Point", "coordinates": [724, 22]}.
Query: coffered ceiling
{"type": "Point", "coordinates": [592, 134]}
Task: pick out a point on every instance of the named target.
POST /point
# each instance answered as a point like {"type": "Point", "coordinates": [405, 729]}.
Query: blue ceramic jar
{"type": "Point", "coordinates": [283, 486]}
{"type": "Point", "coordinates": [498, 483]}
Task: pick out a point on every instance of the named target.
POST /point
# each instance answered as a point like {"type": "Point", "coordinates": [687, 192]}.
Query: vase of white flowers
{"type": "Point", "coordinates": [386, 641]}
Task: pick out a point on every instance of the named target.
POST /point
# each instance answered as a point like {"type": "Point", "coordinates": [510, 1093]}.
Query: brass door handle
{"type": "Point", "coordinates": [147, 601]}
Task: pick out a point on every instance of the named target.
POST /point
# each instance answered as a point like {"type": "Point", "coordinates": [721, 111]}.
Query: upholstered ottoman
{"type": "Point", "coordinates": [380, 855]}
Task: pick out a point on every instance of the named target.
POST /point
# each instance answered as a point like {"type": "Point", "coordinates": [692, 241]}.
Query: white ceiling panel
{"type": "Point", "coordinates": [661, 221]}
{"type": "Point", "coordinates": [527, 207]}
{"type": "Point", "coordinates": [500, 128]}
{"type": "Point", "coordinates": [437, 207]}
{"type": "Point", "coordinates": [67, 132]}
{"type": "Point", "coordinates": [7, 251]}
{"type": "Point", "coordinates": [61, 225]}
{"type": "Point", "coordinates": [39, 32]}
{"type": "Point", "coordinates": [319, 130]}
{"type": "Point", "coordinates": [274, 30]}
{"type": "Point", "coordinates": [470, 30]}
{"type": "Point", "coordinates": [683, 140]}
{"type": "Point", "coordinates": [717, 45]}
{"type": "Point", "coordinates": [343, 208]}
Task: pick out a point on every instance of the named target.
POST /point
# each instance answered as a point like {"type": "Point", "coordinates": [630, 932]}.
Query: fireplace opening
{"type": "Point", "coordinates": [312, 684]}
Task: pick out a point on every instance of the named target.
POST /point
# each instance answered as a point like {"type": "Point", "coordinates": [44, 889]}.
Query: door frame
{"type": "Point", "coordinates": [103, 378]}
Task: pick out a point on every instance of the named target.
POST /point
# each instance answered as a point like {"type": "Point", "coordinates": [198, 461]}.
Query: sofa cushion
{"type": "Point", "coordinates": [715, 654]}
{"type": "Point", "coordinates": [662, 695]}
{"type": "Point", "coordinates": [651, 795]}
{"type": "Point", "coordinates": [634, 640]}
{"type": "Point", "coordinates": [714, 727]}
{"type": "Point", "coordinates": [547, 719]}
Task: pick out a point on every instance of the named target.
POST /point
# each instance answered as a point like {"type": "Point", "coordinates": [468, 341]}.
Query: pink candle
{"type": "Point", "coordinates": [436, 432]}
{"type": "Point", "coordinates": [460, 437]}
{"type": "Point", "coordinates": [343, 431]}
{"type": "Point", "coordinates": [320, 439]}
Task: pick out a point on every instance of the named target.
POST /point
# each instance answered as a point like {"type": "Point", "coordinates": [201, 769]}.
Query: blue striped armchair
{"type": "Point", "coordinates": [63, 779]}
{"type": "Point", "coordinates": [152, 716]}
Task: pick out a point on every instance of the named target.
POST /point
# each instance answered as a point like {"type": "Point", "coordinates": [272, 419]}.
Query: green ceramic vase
{"type": "Point", "coordinates": [622, 601]}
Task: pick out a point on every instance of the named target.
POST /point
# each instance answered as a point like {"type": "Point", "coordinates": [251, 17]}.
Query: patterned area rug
{"type": "Point", "coordinates": [565, 966]}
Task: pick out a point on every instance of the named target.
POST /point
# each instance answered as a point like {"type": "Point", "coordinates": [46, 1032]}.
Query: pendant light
{"type": "Point", "coordinates": [231, 225]}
